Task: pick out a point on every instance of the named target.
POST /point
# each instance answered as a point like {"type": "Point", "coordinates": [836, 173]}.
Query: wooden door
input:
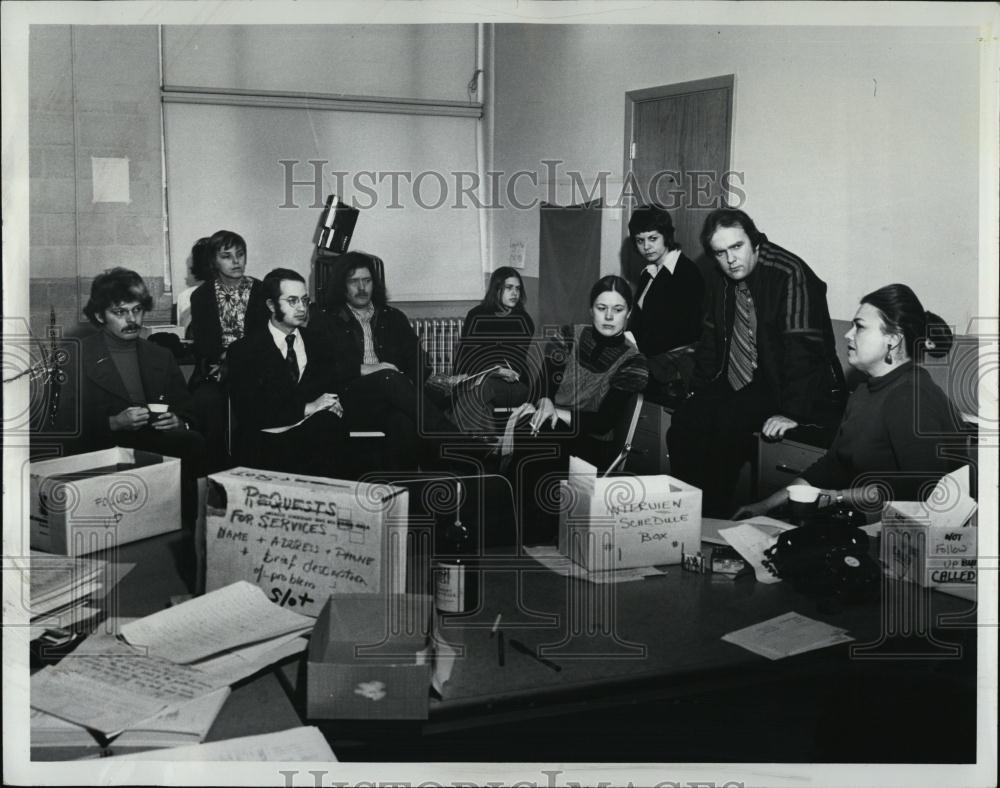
{"type": "Point", "coordinates": [677, 141]}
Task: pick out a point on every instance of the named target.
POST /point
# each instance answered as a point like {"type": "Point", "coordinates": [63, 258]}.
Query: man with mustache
{"type": "Point", "coordinates": [766, 361]}
{"type": "Point", "coordinates": [117, 380]}
{"type": "Point", "coordinates": [381, 367]}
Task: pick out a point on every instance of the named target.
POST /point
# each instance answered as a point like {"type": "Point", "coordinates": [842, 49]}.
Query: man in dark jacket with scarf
{"type": "Point", "coordinates": [381, 367]}
{"type": "Point", "coordinates": [766, 360]}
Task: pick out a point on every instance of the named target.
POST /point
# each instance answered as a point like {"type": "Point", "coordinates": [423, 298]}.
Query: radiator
{"type": "Point", "coordinates": [439, 338]}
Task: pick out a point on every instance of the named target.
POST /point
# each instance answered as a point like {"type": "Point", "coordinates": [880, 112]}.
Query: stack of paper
{"type": "Point", "coordinates": [188, 723]}
{"type": "Point", "coordinates": [787, 635]}
{"type": "Point", "coordinates": [158, 664]}
{"type": "Point", "coordinates": [296, 744]}
{"type": "Point", "coordinates": [66, 591]}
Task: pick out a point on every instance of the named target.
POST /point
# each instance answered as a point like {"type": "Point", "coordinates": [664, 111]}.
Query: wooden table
{"type": "Point", "coordinates": [646, 676]}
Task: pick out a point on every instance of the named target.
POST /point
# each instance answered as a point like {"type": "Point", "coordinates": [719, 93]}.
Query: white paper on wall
{"type": "Point", "coordinates": [111, 180]}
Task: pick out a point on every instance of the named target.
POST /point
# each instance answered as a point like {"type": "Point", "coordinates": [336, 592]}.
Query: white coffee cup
{"type": "Point", "coordinates": [803, 493]}
{"type": "Point", "coordinates": [158, 407]}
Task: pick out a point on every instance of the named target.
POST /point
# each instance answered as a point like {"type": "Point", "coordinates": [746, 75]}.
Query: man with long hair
{"type": "Point", "coordinates": [381, 367]}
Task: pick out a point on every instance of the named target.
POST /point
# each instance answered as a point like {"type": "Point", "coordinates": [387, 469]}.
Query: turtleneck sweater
{"type": "Point", "coordinates": [125, 356]}
{"type": "Point", "coordinates": [891, 433]}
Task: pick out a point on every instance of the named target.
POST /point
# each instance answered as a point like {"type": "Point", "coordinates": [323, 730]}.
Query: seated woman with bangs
{"type": "Point", "coordinates": [588, 385]}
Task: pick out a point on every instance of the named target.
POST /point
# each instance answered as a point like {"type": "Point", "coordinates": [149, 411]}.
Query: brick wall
{"type": "Point", "coordinates": [94, 92]}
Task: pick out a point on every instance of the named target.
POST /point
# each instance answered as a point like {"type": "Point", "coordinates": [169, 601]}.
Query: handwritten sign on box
{"type": "Point", "coordinates": [621, 522]}
{"type": "Point", "coordinates": [304, 538]}
{"type": "Point", "coordinates": [918, 551]}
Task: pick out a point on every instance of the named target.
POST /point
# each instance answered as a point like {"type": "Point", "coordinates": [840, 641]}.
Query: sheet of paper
{"type": "Point", "coordinates": [948, 506]}
{"type": "Point", "coordinates": [279, 430]}
{"type": "Point", "coordinates": [193, 719]}
{"type": "Point", "coordinates": [550, 557]}
{"type": "Point", "coordinates": [49, 731]}
{"type": "Point", "coordinates": [953, 506]}
{"type": "Point", "coordinates": [479, 377]}
{"type": "Point", "coordinates": [443, 656]}
{"type": "Point", "coordinates": [190, 721]}
{"type": "Point", "coordinates": [64, 618]}
{"type": "Point", "coordinates": [236, 615]}
{"type": "Point", "coordinates": [54, 575]}
{"type": "Point", "coordinates": [111, 691]}
{"type": "Point", "coordinates": [786, 635]}
{"type": "Point", "coordinates": [239, 664]}
{"type": "Point", "coordinates": [110, 179]}
{"type": "Point", "coordinates": [751, 538]}
{"type": "Point", "coordinates": [69, 598]}
{"type": "Point", "coordinates": [710, 528]}
{"type": "Point", "coordinates": [296, 744]}
{"type": "Point", "coordinates": [872, 529]}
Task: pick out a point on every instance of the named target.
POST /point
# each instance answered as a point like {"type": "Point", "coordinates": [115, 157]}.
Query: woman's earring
{"type": "Point", "coordinates": [888, 355]}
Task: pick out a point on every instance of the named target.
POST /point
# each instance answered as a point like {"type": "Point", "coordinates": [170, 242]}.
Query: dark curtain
{"type": "Point", "coordinates": [569, 261]}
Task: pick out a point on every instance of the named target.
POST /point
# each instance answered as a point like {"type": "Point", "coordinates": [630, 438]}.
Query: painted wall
{"type": "Point", "coordinates": [85, 105]}
{"type": "Point", "coordinates": [402, 61]}
{"type": "Point", "coordinates": [265, 172]}
{"type": "Point", "coordinates": [859, 145]}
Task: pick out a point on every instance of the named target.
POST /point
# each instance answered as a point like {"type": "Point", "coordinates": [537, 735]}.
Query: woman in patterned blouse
{"type": "Point", "coordinates": [225, 308]}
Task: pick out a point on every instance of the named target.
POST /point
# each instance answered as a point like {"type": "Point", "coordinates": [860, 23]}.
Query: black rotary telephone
{"type": "Point", "coordinates": [827, 560]}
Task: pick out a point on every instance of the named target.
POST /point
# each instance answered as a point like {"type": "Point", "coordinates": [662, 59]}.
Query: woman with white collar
{"type": "Point", "coordinates": [668, 314]}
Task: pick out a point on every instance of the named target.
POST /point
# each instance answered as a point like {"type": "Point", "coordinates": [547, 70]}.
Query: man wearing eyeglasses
{"type": "Point", "coordinates": [286, 377]}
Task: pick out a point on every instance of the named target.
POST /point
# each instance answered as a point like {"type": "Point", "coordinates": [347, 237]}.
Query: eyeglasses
{"type": "Point", "coordinates": [119, 312]}
{"type": "Point", "coordinates": [295, 301]}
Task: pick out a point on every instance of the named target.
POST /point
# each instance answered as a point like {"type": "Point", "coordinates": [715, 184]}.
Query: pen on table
{"type": "Point", "coordinates": [496, 625]}
{"type": "Point", "coordinates": [517, 645]}
{"type": "Point", "coordinates": [500, 650]}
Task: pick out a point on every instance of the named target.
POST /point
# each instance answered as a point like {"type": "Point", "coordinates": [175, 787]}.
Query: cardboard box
{"type": "Point", "coordinates": [303, 538]}
{"type": "Point", "coordinates": [914, 549]}
{"type": "Point", "coordinates": [368, 658]}
{"type": "Point", "coordinates": [89, 502]}
{"type": "Point", "coordinates": [621, 522]}
{"type": "Point", "coordinates": [934, 543]}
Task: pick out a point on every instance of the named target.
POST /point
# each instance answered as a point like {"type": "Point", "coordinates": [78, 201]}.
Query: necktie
{"type": "Point", "coordinates": [743, 348]}
{"type": "Point", "coordinates": [291, 360]}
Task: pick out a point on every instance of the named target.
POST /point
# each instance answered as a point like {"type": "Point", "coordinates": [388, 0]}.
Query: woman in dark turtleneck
{"type": "Point", "coordinates": [887, 443]}
{"type": "Point", "coordinates": [585, 398]}
{"type": "Point", "coordinates": [603, 369]}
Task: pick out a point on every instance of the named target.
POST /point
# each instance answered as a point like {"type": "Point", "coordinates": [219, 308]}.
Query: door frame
{"type": "Point", "coordinates": [634, 97]}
